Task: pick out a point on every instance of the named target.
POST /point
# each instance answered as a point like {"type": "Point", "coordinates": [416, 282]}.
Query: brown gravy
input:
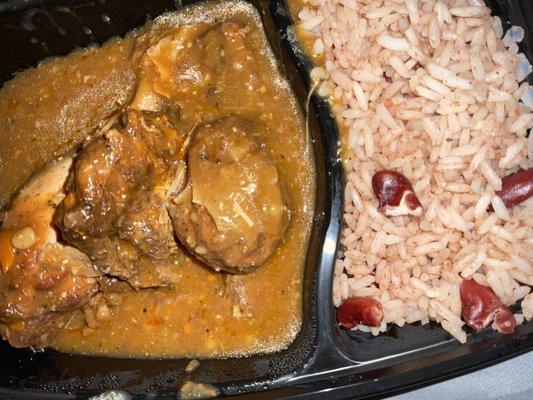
{"type": "Point", "coordinates": [57, 104]}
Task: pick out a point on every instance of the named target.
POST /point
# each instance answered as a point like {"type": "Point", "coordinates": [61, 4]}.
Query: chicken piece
{"type": "Point", "coordinates": [177, 67]}
{"type": "Point", "coordinates": [204, 69]}
{"type": "Point", "coordinates": [232, 49]}
{"type": "Point", "coordinates": [42, 282]}
{"type": "Point", "coordinates": [115, 208]}
{"type": "Point", "coordinates": [231, 214]}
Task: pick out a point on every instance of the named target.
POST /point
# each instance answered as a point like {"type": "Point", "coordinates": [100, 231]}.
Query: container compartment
{"type": "Point", "coordinates": [35, 30]}
{"type": "Point", "coordinates": [324, 361]}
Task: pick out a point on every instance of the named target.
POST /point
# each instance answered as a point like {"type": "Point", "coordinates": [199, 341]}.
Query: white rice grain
{"type": "Point", "coordinates": [466, 12]}
{"type": "Point", "coordinates": [392, 43]}
{"type": "Point", "coordinates": [492, 178]}
{"type": "Point", "coordinates": [499, 208]}
{"type": "Point", "coordinates": [511, 152]}
{"type": "Point", "coordinates": [360, 96]}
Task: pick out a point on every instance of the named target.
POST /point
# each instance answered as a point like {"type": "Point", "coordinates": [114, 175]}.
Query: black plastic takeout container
{"type": "Point", "coordinates": [324, 362]}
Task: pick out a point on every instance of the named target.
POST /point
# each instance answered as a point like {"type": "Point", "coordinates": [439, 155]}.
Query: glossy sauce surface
{"type": "Point", "coordinates": [206, 313]}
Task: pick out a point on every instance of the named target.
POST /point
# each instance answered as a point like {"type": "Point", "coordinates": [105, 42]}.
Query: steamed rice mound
{"type": "Point", "coordinates": [435, 91]}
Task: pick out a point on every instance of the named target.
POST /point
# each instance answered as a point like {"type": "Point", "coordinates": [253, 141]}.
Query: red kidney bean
{"type": "Point", "coordinates": [359, 310]}
{"type": "Point", "coordinates": [504, 320]}
{"type": "Point", "coordinates": [517, 187]}
{"type": "Point", "coordinates": [395, 194]}
{"type": "Point", "coordinates": [388, 79]}
{"type": "Point", "coordinates": [480, 306]}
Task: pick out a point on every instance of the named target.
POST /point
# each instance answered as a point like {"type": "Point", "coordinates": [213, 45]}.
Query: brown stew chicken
{"type": "Point", "coordinates": [174, 196]}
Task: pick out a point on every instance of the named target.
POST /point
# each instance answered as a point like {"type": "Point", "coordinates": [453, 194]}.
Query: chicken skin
{"type": "Point", "coordinates": [42, 282]}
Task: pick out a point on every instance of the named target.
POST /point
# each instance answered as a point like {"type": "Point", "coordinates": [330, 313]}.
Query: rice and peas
{"type": "Point", "coordinates": [436, 91]}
